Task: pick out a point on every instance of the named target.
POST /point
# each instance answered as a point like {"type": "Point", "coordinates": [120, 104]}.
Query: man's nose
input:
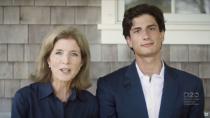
{"type": "Point", "coordinates": [145, 34]}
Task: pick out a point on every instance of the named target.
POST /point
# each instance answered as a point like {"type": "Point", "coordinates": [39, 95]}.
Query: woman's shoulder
{"type": "Point", "coordinates": [23, 96]}
{"type": "Point", "coordinates": [28, 90]}
{"type": "Point", "coordinates": [89, 100]}
{"type": "Point", "coordinates": [86, 95]}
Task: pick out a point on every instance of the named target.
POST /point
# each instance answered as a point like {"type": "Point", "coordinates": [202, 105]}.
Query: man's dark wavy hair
{"type": "Point", "coordinates": [139, 10]}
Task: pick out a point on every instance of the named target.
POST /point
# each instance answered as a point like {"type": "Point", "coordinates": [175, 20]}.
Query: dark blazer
{"type": "Point", "coordinates": [38, 101]}
{"type": "Point", "coordinates": [120, 95]}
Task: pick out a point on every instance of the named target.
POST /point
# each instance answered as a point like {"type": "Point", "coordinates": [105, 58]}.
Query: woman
{"type": "Point", "coordinates": [63, 75]}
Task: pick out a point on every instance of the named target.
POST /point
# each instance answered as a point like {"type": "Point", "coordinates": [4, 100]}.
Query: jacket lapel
{"type": "Point", "coordinates": [133, 87]}
{"type": "Point", "coordinates": [170, 90]}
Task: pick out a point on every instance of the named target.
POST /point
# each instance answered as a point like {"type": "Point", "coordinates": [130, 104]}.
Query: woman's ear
{"type": "Point", "coordinates": [48, 62]}
{"type": "Point", "coordinates": [82, 62]}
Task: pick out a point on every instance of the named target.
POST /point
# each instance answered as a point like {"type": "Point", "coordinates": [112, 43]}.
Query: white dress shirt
{"type": "Point", "coordinates": [152, 89]}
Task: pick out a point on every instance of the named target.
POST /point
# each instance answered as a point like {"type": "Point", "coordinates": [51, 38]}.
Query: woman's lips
{"type": "Point", "coordinates": [65, 70]}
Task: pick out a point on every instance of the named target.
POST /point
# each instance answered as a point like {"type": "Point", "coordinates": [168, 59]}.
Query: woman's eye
{"type": "Point", "coordinates": [74, 54]}
{"type": "Point", "coordinates": [58, 53]}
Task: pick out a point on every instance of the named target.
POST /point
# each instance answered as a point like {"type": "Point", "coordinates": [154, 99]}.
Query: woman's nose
{"type": "Point", "coordinates": [65, 59]}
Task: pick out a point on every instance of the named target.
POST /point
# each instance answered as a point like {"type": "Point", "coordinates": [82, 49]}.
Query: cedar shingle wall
{"type": "Point", "coordinates": [24, 23]}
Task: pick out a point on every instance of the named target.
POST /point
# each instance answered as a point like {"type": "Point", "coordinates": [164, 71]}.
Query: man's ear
{"type": "Point", "coordinates": [162, 36]}
{"type": "Point", "coordinates": [129, 42]}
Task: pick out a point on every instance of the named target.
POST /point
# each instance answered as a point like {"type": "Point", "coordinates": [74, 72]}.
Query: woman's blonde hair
{"type": "Point", "coordinates": [43, 72]}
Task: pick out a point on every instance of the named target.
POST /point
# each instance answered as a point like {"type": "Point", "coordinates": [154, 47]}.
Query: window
{"type": "Point", "coordinates": [165, 5]}
{"type": "Point", "coordinates": [184, 25]}
{"type": "Point", "coordinates": [176, 6]}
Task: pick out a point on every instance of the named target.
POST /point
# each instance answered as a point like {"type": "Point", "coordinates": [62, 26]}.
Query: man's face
{"type": "Point", "coordinates": [145, 37]}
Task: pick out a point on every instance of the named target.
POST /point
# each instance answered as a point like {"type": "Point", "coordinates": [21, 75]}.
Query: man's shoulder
{"type": "Point", "coordinates": [183, 76]}
{"type": "Point", "coordinates": [115, 75]}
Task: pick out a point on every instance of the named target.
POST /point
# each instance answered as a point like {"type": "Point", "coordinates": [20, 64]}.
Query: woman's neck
{"type": "Point", "coordinates": [61, 89]}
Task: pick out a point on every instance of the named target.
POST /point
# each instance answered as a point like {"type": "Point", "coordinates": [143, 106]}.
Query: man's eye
{"type": "Point", "coordinates": [136, 31]}
{"type": "Point", "coordinates": [152, 28]}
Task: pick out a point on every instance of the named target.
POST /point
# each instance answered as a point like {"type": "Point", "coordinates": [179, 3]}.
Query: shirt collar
{"type": "Point", "coordinates": [161, 74]}
{"type": "Point", "coordinates": [46, 89]}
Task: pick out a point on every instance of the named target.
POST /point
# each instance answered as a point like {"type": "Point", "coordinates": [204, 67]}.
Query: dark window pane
{"type": "Point", "coordinates": [165, 5]}
{"type": "Point", "coordinates": [192, 6]}
{"type": "Point", "coordinates": [207, 6]}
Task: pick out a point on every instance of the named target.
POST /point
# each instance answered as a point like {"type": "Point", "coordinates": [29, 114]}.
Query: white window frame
{"type": "Point", "coordinates": [180, 28]}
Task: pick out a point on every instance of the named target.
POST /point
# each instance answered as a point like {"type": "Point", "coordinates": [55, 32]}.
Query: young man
{"type": "Point", "coordinates": [148, 88]}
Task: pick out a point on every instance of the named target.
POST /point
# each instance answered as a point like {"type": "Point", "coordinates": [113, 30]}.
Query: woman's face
{"type": "Point", "coordinates": [65, 60]}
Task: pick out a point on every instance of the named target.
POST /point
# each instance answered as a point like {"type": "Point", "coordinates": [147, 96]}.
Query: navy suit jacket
{"type": "Point", "coordinates": [120, 95]}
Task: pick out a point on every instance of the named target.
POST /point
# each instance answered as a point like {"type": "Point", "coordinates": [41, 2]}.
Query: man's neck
{"type": "Point", "coordinates": [149, 65]}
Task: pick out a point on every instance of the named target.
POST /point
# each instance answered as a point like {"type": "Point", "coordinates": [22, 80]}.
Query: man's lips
{"type": "Point", "coordinates": [147, 44]}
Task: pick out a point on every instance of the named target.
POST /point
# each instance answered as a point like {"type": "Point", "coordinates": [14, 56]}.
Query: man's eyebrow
{"type": "Point", "coordinates": [136, 28]}
{"type": "Point", "coordinates": [152, 25]}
